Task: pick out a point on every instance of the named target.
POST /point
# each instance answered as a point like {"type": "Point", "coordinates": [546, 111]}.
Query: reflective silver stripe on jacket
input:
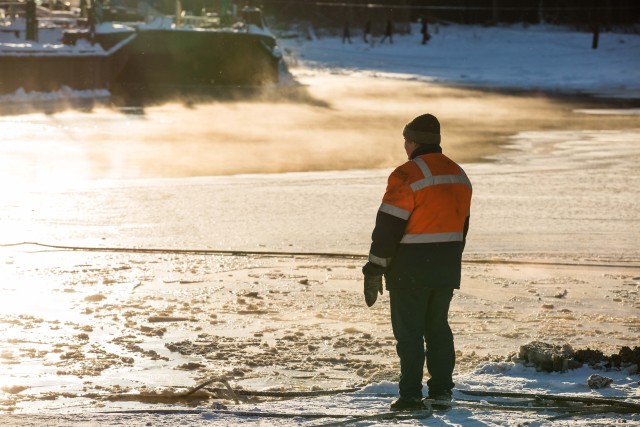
{"type": "Point", "coordinates": [426, 172]}
{"type": "Point", "coordinates": [439, 179]}
{"type": "Point", "coordinates": [430, 180]}
{"type": "Point", "coordinates": [433, 237]}
{"type": "Point", "coordinates": [395, 211]}
{"type": "Point", "coordinates": [383, 262]}
{"type": "Point", "coordinates": [467, 181]}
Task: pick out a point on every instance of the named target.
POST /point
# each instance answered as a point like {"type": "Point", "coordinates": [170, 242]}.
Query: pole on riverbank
{"type": "Point", "coordinates": [32, 21]}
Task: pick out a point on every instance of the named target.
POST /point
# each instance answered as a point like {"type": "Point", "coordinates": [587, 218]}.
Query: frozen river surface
{"type": "Point", "coordinates": [567, 194]}
{"type": "Point", "coordinates": [552, 255]}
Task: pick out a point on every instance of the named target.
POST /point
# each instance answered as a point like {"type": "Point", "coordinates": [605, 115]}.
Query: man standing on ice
{"type": "Point", "coordinates": [417, 244]}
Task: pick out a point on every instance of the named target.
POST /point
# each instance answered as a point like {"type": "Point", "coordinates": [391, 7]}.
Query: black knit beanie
{"type": "Point", "coordinates": [424, 129]}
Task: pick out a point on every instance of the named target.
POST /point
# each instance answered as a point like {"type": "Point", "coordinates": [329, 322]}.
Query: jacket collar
{"type": "Point", "coordinates": [425, 149]}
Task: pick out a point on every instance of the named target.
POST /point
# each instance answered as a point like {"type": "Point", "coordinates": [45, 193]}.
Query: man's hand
{"type": "Point", "coordinates": [372, 285]}
{"type": "Point", "coordinates": [372, 282]}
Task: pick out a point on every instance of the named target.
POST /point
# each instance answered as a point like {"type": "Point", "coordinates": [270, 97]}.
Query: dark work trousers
{"type": "Point", "coordinates": [419, 317]}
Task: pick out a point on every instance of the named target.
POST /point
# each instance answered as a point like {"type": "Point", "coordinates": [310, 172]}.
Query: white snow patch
{"type": "Point", "coordinates": [539, 57]}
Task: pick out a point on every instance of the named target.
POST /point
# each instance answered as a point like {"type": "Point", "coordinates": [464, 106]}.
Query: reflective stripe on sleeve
{"type": "Point", "coordinates": [466, 178]}
{"type": "Point", "coordinates": [433, 237]}
{"type": "Point", "coordinates": [440, 179]}
{"type": "Point", "coordinates": [382, 262]}
{"type": "Point", "coordinates": [395, 211]}
{"type": "Point", "coordinates": [423, 167]}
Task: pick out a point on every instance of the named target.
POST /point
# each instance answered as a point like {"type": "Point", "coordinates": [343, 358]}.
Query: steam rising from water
{"type": "Point", "coordinates": [339, 122]}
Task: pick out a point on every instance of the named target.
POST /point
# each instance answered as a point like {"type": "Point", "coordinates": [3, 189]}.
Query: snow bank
{"type": "Point", "coordinates": [538, 57]}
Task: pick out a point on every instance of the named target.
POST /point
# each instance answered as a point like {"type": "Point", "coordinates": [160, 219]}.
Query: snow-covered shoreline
{"type": "Point", "coordinates": [539, 57]}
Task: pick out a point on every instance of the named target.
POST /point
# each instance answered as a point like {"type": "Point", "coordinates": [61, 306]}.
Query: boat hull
{"type": "Point", "coordinates": [50, 73]}
{"type": "Point", "coordinates": [191, 57]}
{"type": "Point", "coordinates": [47, 70]}
{"type": "Point", "coordinates": [148, 58]}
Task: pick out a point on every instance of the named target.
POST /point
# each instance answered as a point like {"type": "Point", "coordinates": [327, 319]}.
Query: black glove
{"type": "Point", "coordinates": [372, 282]}
{"type": "Point", "coordinates": [372, 285]}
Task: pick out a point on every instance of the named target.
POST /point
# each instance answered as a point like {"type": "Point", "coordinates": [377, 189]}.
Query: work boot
{"type": "Point", "coordinates": [444, 396]}
{"type": "Point", "coordinates": [408, 404]}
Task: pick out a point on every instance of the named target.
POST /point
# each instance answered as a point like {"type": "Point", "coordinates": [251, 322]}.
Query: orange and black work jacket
{"type": "Point", "coordinates": [422, 223]}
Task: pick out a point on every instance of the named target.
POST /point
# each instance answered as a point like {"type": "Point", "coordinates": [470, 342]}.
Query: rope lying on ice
{"type": "Point", "coordinates": [211, 381]}
{"type": "Point", "coordinates": [187, 251]}
{"type": "Point", "coordinates": [227, 392]}
{"type": "Point", "coordinates": [345, 418]}
{"type": "Point", "coordinates": [234, 393]}
{"type": "Point", "coordinates": [528, 406]}
{"type": "Point", "coordinates": [290, 254]}
{"type": "Point", "coordinates": [284, 394]}
{"type": "Point", "coordinates": [535, 402]}
{"type": "Point", "coordinates": [565, 412]}
{"type": "Point", "coordinates": [633, 407]}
